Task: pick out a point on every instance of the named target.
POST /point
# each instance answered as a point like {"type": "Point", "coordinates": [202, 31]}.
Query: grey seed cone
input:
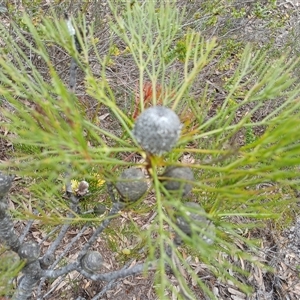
{"type": "Point", "coordinates": [92, 262]}
{"type": "Point", "coordinates": [157, 130]}
{"type": "Point", "coordinates": [132, 185]}
{"type": "Point", "coordinates": [206, 228]}
{"type": "Point", "coordinates": [99, 209]}
{"type": "Point", "coordinates": [180, 173]}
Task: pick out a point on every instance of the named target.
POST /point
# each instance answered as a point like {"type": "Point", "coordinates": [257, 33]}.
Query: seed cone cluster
{"type": "Point", "coordinates": [157, 131]}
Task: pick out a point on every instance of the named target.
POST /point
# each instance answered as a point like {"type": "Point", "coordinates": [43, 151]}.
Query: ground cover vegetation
{"type": "Point", "coordinates": [146, 138]}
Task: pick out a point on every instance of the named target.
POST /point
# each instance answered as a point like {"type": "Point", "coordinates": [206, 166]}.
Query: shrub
{"type": "Point", "coordinates": [45, 113]}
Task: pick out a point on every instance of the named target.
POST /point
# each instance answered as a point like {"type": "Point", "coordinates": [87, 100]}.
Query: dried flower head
{"type": "Point", "coordinates": [157, 129]}
{"type": "Point", "coordinates": [83, 188]}
{"type": "Point", "coordinates": [131, 185]}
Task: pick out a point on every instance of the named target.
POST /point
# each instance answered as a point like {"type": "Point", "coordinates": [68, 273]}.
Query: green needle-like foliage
{"type": "Point", "coordinates": [53, 136]}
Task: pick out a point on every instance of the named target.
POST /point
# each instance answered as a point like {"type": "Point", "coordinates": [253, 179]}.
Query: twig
{"type": "Point", "coordinates": [73, 74]}
{"type": "Point", "coordinates": [48, 235]}
{"type": "Point", "coordinates": [26, 230]}
{"type": "Point", "coordinates": [53, 288]}
{"type": "Point", "coordinates": [138, 268]}
{"type": "Point", "coordinates": [56, 243]}
{"type": "Point", "coordinates": [7, 231]}
{"type": "Point", "coordinates": [28, 281]}
{"type": "Point", "coordinates": [113, 282]}
{"type": "Point", "coordinates": [110, 285]}
{"type": "Point", "coordinates": [32, 271]}
{"type": "Point", "coordinates": [62, 271]}
{"type": "Point", "coordinates": [113, 213]}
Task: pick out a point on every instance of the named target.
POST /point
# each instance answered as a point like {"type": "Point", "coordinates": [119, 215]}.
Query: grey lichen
{"type": "Point", "coordinates": [131, 185]}
{"type": "Point", "coordinates": [157, 130]}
